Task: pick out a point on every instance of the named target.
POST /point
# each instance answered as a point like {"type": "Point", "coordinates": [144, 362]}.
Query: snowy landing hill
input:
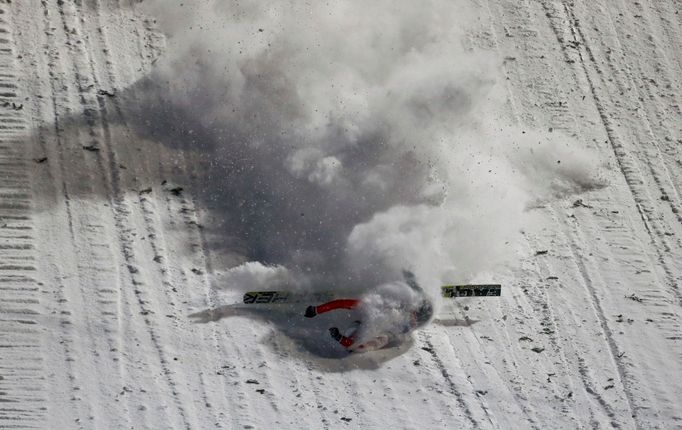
{"type": "Point", "coordinates": [105, 249]}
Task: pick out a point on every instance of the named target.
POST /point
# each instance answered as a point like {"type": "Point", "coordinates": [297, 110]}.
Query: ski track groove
{"type": "Point", "coordinates": [511, 373]}
{"type": "Point", "coordinates": [19, 344]}
{"type": "Point", "coordinates": [522, 400]}
{"type": "Point", "coordinates": [122, 304]}
{"type": "Point", "coordinates": [614, 350]}
{"type": "Point", "coordinates": [123, 211]}
{"type": "Point", "coordinates": [155, 245]}
{"type": "Point", "coordinates": [588, 383]}
{"type": "Point", "coordinates": [452, 387]}
{"type": "Point", "coordinates": [542, 306]}
{"type": "Point", "coordinates": [596, 302]}
{"type": "Point", "coordinates": [182, 207]}
{"type": "Point", "coordinates": [101, 34]}
{"type": "Point", "coordinates": [213, 332]}
{"type": "Point", "coordinates": [85, 229]}
{"type": "Point", "coordinates": [654, 223]}
{"type": "Point", "coordinates": [648, 126]}
{"type": "Point", "coordinates": [548, 326]}
{"type": "Point", "coordinates": [481, 402]}
{"type": "Point", "coordinates": [610, 229]}
{"type": "Point", "coordinates": [66, 195]}
{"type": "Point", "coordinates": [298, 390]}
{"type": "Point", "coordinates": [634, 191]}
{"type": "Point", "coordinates": [510, 367]}
{"type": "Point", "coordinates": [629, 168]}
{"type": "Point", "coordinates": [98, 293]}
{"type": "Point", "coordinates": [634, 344]}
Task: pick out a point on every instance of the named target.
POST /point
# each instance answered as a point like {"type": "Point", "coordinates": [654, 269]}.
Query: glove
{"type": "Point", "coordinates": [335, 333]}
{"type": "Point", "coordinates": [310, 312]}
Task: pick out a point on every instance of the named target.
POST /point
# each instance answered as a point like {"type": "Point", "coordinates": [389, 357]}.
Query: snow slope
{"type": "Point", "coordinates": [103, 258]}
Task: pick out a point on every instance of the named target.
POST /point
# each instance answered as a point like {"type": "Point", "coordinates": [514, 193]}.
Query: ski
{"type": "Point", "coordinates": [282, 297]}
{"type": "Point", "coordinates": [483, 290]}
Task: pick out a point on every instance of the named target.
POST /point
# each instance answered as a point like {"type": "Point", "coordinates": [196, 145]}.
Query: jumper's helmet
{"type": "Point", "coordinates": [424, 312]}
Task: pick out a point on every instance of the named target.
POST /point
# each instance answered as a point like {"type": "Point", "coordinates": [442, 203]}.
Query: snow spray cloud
{"type": "Point", "coordinates": [356, 139]}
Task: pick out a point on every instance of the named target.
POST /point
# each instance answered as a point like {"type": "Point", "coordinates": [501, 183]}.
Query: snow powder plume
{"type": "Point", "coordinates": [351, 140]}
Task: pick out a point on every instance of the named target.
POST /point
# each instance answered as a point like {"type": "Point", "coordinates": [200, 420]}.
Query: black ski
{"type": "Point", "coordinates": [483, 290]}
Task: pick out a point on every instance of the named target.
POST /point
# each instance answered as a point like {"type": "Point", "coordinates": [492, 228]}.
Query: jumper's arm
{"type": "Point", "coordinates": [336, 304]}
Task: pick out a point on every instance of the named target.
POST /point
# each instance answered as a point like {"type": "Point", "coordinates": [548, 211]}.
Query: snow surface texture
{"type": "Point", "coordinates": [160, 158]}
